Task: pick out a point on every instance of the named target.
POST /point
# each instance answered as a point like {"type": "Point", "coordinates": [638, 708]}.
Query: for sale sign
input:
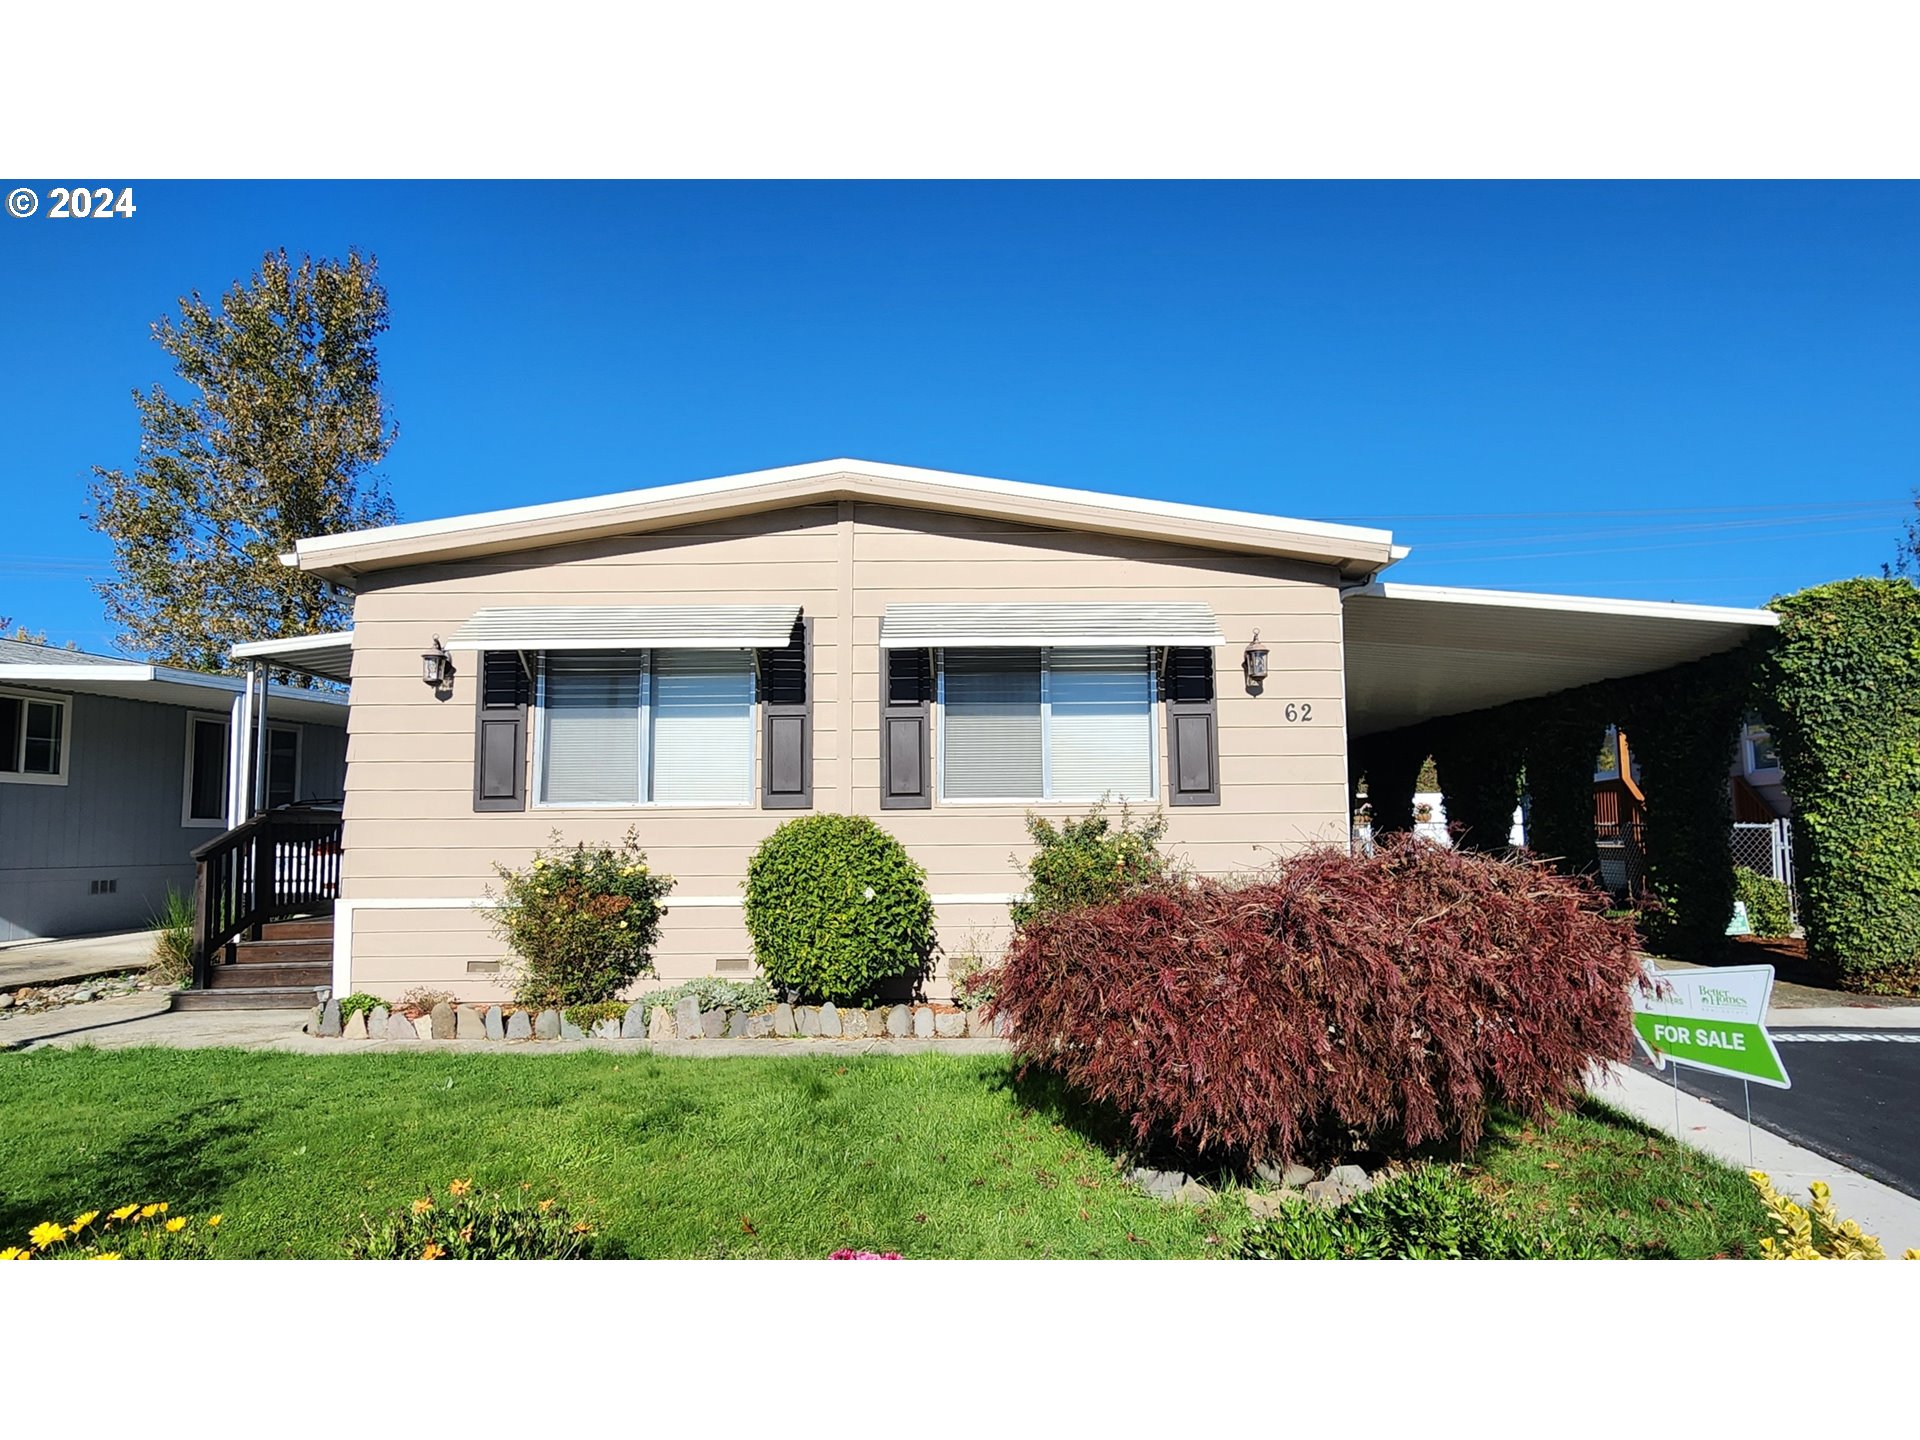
{"type": "Point", "coordinates": [1713, 1020]}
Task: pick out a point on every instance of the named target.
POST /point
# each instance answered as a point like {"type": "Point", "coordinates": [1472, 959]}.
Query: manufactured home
{"type": "Point", "coordinates": [945, 653]}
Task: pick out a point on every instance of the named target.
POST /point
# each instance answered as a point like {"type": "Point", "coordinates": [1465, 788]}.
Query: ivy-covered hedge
{"type": "Point", "coordinates": [1841, 696]}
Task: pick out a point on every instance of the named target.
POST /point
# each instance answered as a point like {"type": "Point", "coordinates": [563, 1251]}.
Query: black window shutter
{"type": "Point", "coordinates": [906, 725]}
{"type": "Point", "coordinates": [786, 703]}
{"type": "Point", "coordinates": [1193, 728]}
{"type": "Point", "coordinates": [500, 733]}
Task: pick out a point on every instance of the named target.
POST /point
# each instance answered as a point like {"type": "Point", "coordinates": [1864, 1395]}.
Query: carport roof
{"type": "Point", "coordinates": [1415, 652]}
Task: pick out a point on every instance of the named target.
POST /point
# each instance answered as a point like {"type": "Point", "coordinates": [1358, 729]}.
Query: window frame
{"type": "Point", "coordinates": [1155, 758]}
{"type": "Point", "coordinates": [23, 776]}
{"type": "Point", "coordinates": [225, 722]}
{"type": "Point", "coordinates": [1763, 774]}
{"type": "Point", "coordinates": [537, 789]}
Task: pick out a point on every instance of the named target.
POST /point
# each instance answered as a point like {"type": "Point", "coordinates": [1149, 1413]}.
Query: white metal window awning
{"type": "Point", "coordinates": [919, 627]}
{"type": "Point", "coordinates": [628, 627]}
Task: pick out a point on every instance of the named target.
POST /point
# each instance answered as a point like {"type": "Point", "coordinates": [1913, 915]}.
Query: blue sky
{"type": "Point", "coordinates": [1502, 373]}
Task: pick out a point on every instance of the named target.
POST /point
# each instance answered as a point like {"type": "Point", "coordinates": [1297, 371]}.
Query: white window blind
{"type": "Point", "coordinates": [590, 728]}
{"type": "Point", "coordinates": [636, 727]}
{"type": "Point", "coordinates": [702, 727]}
{"type": "Point", "coordinates": [1100, 730]}
{"type": "Point", "coordinates": [990, 736]}
{"type": "Point", "coordinates": [1056, 724]}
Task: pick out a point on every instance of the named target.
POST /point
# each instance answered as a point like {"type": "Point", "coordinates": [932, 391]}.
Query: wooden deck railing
{"type": "Point", "coordinates": [285, 862]}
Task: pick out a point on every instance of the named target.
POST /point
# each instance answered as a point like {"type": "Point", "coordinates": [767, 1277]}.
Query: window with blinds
{"type": "Point", "coordinates": [1054, 724]}
{"type": "Point", "coordinates": [663, 727]}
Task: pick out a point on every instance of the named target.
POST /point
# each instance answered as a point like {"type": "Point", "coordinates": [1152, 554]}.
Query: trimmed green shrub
{"type": "Point", "coordinates": [1430, 1213]}
{"type": "Point", "coordinates": [836, 907]}
{"type": "Point", "coordinates": [1769, 909]}
{"type": "Point", "coordinates": [1841, 697]}
{"type": "Point", "coordinates": [469, 1225]}
{"type": "Point", "coordinates": [1088, 861]}
{"type": "Point", "coordinates": [588, 1016]}
{"type": "Point", "coordinates": [581, 920]}
{"type": "Point", "coordinates": [358, 1003]}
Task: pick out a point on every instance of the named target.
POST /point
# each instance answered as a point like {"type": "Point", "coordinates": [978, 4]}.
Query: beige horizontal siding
{"type": "Point", "coordinates": [411, 833]}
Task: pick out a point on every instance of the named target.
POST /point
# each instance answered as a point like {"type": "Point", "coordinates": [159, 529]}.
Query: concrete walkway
{"type": "Point", "coordinates": [55, 962]}
{"type": "Point", "coordinates": [1879, 1209]}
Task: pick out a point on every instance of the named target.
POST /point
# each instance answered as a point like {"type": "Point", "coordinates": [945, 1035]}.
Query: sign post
{"type": "Point", "coordinates": [1713, 1020]}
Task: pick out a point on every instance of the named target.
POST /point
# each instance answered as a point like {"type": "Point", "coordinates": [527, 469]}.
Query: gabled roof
{"type": "Point", "coordinates": [1353, 550]}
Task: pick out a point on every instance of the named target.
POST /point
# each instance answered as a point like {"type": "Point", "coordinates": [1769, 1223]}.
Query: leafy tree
{"type": "Point", "coordinates": [1906, 555]}
{"type": "Point", "coordinates": [275, 440]}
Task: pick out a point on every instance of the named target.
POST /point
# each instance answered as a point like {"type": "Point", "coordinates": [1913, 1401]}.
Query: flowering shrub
{"type": "Point", "coordinates": [582, 921]}
{"type": "Point", "coordinates": [1427, 1214]}
{"type": "Point", "coordinates": [863, 1255]}
{"type": "Point", "coordinates": [835, 906]}
{"type": "Point", "coordinates": [470, 1225]}
{"type": "Point", "coordinates": [1088, 861]}
{"type": "Point", "coordinates": [132, 1232]}
{"type": "Point", "coordinates": [1385, 1000]}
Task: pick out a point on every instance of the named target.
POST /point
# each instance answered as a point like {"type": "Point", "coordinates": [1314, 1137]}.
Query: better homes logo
{"type": "Point", "coordinates": [1714, 998]}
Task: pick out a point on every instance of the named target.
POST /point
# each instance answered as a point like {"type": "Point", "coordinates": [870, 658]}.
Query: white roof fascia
{"type": "Point", "coordinates": [292, 645]}
{"type": "Point", "coordinates": [319, 546]}
{"type": "Point", "coordinates": [1572, 604]}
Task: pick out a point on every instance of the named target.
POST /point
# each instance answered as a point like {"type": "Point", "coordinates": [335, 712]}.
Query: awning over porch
{"type": "Point", "coordinates": [1414, 652]}
{"type": "Point", "coordinates": [328, 656]}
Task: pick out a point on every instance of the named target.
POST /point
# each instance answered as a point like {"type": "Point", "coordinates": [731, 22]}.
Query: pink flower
{"type": "Point", "coordinates": [863, 1255]}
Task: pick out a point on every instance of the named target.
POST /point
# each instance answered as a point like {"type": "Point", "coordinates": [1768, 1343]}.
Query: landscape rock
{"type": "Point", "coordinates": [949, 1024]}
{"type": "Point", "coordinates": [1290, 1177]}
{"type": "Point", "coordinates": [495, 1023]}
{"type": "Point", "coordinates": [399, 1027]}
{"type": "Point", "coordinates": [899, 1022]}
{"type": "Point", "coordinates": [81, 997]}
{"type": "Point", "coordinates": [828, 1021]}
{"type": "Point", "coordinates": [659, 1024]}
{"type": "Point", "coordinates": [806, 1019]}
{"type": "Point", "coordinates": [1321, 1192]}
{"type": "Point", "coordinates": [1161, 1184]}
{"type": "Point", "coordinates": [423, 1027]}
{"type": "Point", "coordinates": [330, 1020]}
{"type": "Point", "coordinates": [1263, 1206]}
{"type": "Point", "coordinates": [570, 1031]}
{"type": "Point", "coordinates": [633, 1026]}
{"type": "Point", "coordinates": [1348, 1181]}
{"type": "Point", "coordinates": [519, 1027]}
{"type": "Point", "coordinates": [686, 1019]}
{"type": "Point", "coordinates": [853, 1024]}
{"type": "Point", "coordinates": [738, 1023]}
{"type": "Point", "coordinates": [759, 1026]}
{"type": "Point", "coordinates": [1193, 1193]}
{"type": "Point", "coordinates": [978, 1025]}
{"type": "Point", "coordinates": [713, 1024]}
{"type": "Point", "coordinates": [377, 1022]}
{"type": "Point", "coordinates": [607, 1029]}
{"type": "Point", "coordinates": [6, 1002]}
{"type": "Point", "coordinates": [354, 1027]}
{"type": "Point", "coordinates": [312, 1025]}
{"type": "Point", "coordinates": [923, 1023]}
{"type": "Point", "coordinates": [470, 1023]}
{"type": "Point", "coordinates": [440, 1023]}
{"type": "Point", "coordinates": [546, 1025]}
{"type": "Point", "coordinates": [783, 1024]}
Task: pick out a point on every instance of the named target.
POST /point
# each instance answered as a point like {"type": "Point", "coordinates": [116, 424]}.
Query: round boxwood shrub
{"type": "Point", "coordinates": [835, 907]}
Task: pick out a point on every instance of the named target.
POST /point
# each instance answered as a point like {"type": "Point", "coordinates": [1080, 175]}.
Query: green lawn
{"type": "Point", "coordinates": [930, 1155]}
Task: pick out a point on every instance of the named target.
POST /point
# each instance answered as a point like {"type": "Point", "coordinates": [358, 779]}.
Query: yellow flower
{"type": "Point", "coordinates": [460, 1187]}
{"type": "Point", "coordinates": [80, 1222]}
{"type": "Point", "coordinates": [124, 1211]}
{"type": "Point", "coordinates": [546, 1205]}
{"type": "Point", "coordinates": [110, 1255]}
{"type": "Point", "coordinates": [46, 1233]}
{"type": "Point", "coordinates": [215, 1220]}
{"type": "Point", "coordinates": [177, 1224]}
{"type": "Point", "coordinates": [421, 1207]}
{"type": "Point", "coordinates": [14, 1252]}
{"type": "Point", "coordinates": [432, 1252]}
{"type": "Point", "coordinates": [147, 1212]}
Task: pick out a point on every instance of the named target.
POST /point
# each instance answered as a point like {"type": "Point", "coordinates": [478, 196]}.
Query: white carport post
{"type": "Point", "coordinates": [240, 754]}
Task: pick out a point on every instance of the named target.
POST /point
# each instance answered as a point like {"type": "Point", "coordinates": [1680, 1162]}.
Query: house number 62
{"type": "Point", "coordinates": [1298, 711]}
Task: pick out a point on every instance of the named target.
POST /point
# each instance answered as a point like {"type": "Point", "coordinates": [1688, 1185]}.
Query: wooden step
{"type": "Point", "coordinates": [283, 952]}
{"type": "Point", "coordinates": [256, 997]}
{"type": "Point", "coordinates": [318, 928]}
{"type": "Point", "coordinates": [253, 977]}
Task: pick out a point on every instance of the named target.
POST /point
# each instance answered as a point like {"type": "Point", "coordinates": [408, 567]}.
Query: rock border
{"type": "Point", "coordinates": [509, 1024]}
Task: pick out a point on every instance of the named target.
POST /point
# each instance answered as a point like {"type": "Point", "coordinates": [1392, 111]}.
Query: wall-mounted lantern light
{"type": "Point", "coordinates": [436, 666]}
{"type": "Point", "coordinates": [1255, 660]}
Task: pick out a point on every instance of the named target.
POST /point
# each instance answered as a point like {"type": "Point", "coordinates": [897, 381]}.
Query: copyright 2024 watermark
{"type": "Point", "coordinates": [73, 202]}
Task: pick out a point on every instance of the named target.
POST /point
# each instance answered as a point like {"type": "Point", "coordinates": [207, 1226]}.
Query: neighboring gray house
{"type": "Point", "coordinates": [113, 771]}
